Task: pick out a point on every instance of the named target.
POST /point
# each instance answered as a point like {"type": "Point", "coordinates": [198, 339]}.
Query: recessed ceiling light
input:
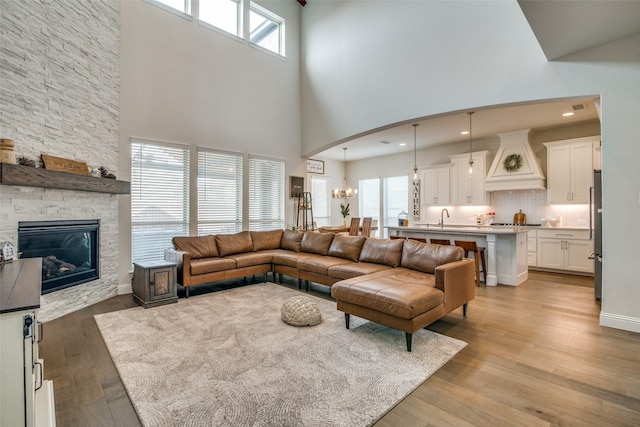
{"type": "Point", "coordinates": [402, 144]}
{"type": "Point", "coordinates": [567, 114]}
{"type": "Point", "coordinates": [464, 132]}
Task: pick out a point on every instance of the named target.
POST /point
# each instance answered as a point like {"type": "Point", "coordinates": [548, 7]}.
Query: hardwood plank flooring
{"type": "Point", "coordinates": [536, 356]}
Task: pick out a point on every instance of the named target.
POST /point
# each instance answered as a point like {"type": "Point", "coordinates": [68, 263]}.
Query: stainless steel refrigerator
{"type": "Point", "coordinates": [596, 230]}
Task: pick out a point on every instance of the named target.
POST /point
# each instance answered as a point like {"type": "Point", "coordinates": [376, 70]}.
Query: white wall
{"type": "Point", "coordinates": [184, 83]}
{"type": "Point", "coordinates": [369, 64]}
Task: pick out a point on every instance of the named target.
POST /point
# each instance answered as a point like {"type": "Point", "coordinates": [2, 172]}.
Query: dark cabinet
{"type": "Point", "coordinates": [154, 283]}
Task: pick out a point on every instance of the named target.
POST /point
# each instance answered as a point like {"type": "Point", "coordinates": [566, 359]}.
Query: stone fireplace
{"type": "Point", "coordinates": [39, 205]}
{"type": "Point", "coordinates": [61, 84]}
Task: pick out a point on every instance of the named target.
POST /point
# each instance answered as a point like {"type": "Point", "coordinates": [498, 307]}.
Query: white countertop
{"type": "Point", "coordinates": [475, 229]}
{"type": "Point", "coordinates": [461, 229]}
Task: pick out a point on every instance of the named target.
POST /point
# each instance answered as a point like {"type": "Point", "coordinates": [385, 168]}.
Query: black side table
{"type": "Point", "coordinates": [154, 283]}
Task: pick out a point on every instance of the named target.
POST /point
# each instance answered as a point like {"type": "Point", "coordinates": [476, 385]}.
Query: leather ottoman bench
{"type": "Point", "coordinates": [398, 298]}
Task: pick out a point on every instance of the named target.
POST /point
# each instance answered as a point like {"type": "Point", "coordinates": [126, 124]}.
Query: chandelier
{"type": "Point", "coordinates": [345, 192]}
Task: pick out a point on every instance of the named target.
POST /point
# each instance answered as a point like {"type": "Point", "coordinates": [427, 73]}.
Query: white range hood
{"type": "Point", "coordinates": [522, 169]}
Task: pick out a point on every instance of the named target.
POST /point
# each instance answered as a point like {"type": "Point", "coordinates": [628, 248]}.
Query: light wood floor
{"type": "Point", "coordinates": [535, 356]}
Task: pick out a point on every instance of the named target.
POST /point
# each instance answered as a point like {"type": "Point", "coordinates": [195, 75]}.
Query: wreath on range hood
{"type": "Point", "coordinates": [512, 162]}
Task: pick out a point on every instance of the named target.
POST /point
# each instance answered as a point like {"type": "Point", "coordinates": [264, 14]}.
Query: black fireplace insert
{"type": "Point", "coordinates": [69, 250]}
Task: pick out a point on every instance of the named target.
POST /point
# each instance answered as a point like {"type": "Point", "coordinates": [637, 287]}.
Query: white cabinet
{"type": "Point", "coordinates": [532, 248]}
{"type": "Point", "coordinates": [26, 398]}
{"type": "Point", "coordinates": [468, 189]}
{"type": "Point", "coordinates": [570, 170]}
{"type": "Point", "coordinates": [564, 250]}
{"type": "Point", "coordinates": [435, 185]}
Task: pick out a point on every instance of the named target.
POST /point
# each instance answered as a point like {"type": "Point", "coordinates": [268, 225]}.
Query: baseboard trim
{"type": "Point", "coordinates": [617, 321]}
{"type": "Point", "coordinates": [124, 288]}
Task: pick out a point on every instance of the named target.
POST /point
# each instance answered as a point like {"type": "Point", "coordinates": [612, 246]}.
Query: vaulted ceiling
{"type": "Point", "coordinates": [565, 27]}
{"type": "Point", "coordinates": [562, 28]}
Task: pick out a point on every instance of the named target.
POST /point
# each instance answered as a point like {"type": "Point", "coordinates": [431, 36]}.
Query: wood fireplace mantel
{"type": "Point", "coordinates": [44, 178]}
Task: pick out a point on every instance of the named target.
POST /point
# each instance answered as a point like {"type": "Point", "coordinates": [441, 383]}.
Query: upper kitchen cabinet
{"type": "Point", "coordinates": [570, 170]}
{"type": "Point", "coordinates": [435, 185]}
{"type": "Point", "coordinates": [466, 188]}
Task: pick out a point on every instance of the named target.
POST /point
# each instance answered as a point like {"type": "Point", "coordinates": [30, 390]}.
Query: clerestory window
{"type": "Point", "coordinates": [222, 14]}
{"type": "Point", "coordinates": [266, 29]}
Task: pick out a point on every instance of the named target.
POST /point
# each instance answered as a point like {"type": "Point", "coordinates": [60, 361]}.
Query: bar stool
{"type": "Point", "coordinates": [417, 239]}
{"type": "Point", "coordinates": [478, 255]}
{"type": "Point", "coordinates": [394, 237]}
{"type": "Point", "coordinates": [440, 241]}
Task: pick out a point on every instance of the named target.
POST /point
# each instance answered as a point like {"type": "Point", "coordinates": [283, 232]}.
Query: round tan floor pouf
{"type": "Point", "coordinates": [300, 311]}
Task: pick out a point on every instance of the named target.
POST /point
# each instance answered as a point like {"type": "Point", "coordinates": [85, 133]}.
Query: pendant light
{"type": "Point", "coordinates": [415, 156]}
{"type": "Point", "coordinates": [470, 146]}
{"type": "Point", "coordinates": [345, 192]}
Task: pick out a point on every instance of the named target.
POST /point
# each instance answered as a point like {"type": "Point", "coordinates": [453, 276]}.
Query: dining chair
{"type": "Point", "coordinates": [366, 226]}
{"type": "Point", "coordinates": [354, 227]}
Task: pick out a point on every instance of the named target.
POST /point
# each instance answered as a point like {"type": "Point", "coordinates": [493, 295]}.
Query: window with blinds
{"type": "Point", "coordinates": [369, 198]}
{"type": "Point", "coordinates": [321, 198]}
{"type": "Point", "coordinates": [266, 193]}
{"type": "Point", "coordinates": [396, 198]}
{"type": "Point", "coordinates": [219, 192]}
{"type": "Point", "coordinates": [159, 197]}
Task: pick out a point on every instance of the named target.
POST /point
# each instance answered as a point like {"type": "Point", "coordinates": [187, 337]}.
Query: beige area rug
{"type": "Point", "coordinates": [226, 359]}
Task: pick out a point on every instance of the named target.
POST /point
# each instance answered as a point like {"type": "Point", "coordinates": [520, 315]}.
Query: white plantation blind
{"type": "Point", "coordinates": [266, 193]}
{"type": "Point", "coordinates": [321, 199]}
{"type": "Point", "coordinates": [159, 197]}
{"type": "Point", "coordinates": [219, 192]}
{"type": "Point", "coordinates": [396, 198]}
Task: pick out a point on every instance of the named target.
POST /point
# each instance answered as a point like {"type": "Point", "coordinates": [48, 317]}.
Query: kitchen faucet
{"type": "Point", "coordinates": [442, 217]}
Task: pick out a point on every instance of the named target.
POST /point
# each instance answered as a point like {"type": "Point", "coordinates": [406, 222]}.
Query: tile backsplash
{"type": "Point", "coordinates": [506, 203]}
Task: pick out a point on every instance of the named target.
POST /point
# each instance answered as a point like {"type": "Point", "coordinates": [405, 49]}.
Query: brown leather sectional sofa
{"type": "Point", "coordinates": [402, 284]}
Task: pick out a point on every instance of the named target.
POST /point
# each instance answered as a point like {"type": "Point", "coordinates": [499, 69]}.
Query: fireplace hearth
{"type": "Point", "coordinates": [69, 250]}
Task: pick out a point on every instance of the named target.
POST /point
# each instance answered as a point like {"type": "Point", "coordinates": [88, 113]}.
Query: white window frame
{"type": "Point", "coordinates": [185, 13]}
{"type": "Point", "coordinates": [320, 199]}
{"type": "Point", "coordinates": [362, 193]}
{"type": "Point", "coordinates": [238, 34]}
{"type": "Point", "coordinates": [391, 218]}
{"type": "Point", "coordinates": [258, 189]}
{"type": "Point", "coordinates": [151, 195]}
{"type": "Point", "coordinates": [215, 191]}
{"type": "Point", "coordinates": [279, 21]}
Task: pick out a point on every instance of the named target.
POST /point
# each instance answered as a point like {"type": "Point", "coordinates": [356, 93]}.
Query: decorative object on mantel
{"type": "Point", "coordinates": [7, 252]}
{"type": "Point", "coordinates": [25, 161]}
{"type": "Point", "coordinates": [105, 173]}
{"type": "Point", "coordinates": [7, 155]}
{"type": "Point", "coordinates": [65, 165]}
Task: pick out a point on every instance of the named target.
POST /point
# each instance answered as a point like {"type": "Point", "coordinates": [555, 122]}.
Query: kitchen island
{"type": "Point", "coordinates": [506, 247]}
